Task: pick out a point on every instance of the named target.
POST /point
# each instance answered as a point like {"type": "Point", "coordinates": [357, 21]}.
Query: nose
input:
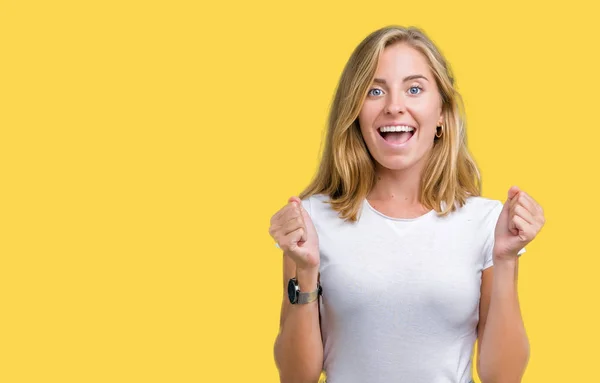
{"type": "Point", "coordinates": [395, 105]}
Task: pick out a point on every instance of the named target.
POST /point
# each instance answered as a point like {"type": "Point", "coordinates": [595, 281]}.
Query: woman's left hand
{"type": "Point", "coordinates": [519, 222]}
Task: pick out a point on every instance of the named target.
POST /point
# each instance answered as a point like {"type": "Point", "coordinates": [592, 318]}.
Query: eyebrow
{"type": "Point", "coordinates": [407, 78]}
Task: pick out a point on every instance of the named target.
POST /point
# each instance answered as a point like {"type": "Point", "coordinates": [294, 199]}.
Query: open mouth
{"type": "Point", "coordinates": [397, 136]}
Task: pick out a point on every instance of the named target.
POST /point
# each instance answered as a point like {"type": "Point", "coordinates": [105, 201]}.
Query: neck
{"type": "Point", "coordinates": [401, 186]}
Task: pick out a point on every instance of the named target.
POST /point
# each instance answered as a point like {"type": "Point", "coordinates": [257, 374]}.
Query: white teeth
{"type": "Point", "coordinates": [398, 128]}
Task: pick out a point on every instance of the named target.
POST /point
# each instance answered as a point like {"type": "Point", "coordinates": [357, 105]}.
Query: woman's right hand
{"type": "Point", "coordinates": [292, 228]}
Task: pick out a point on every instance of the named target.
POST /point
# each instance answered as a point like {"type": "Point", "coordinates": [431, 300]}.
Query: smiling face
{"type": "Point", "coordinates": [402, 110]}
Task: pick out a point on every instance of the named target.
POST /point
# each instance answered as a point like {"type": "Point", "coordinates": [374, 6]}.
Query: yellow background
{"type": "Point", "coordinates": [145, 146]}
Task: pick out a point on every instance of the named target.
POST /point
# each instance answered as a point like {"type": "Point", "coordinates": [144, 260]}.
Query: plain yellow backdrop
{"type": "Point", "coordinates": [146, 144]}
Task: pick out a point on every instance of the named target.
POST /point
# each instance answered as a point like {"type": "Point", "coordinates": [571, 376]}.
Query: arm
{"type": "Point", "coordinates": [299, 347]}
{"type": "Point", "coordinates": [503, 351]}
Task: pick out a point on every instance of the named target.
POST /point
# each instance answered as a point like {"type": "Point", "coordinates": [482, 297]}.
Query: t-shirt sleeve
{"type": "Point", "coordinates": [307, 206]}
{"type": "Point", "coordinates": [490, 228]}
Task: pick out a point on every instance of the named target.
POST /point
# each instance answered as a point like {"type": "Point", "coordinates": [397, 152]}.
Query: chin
{"type": "Point", "coordinates": [397, 163]}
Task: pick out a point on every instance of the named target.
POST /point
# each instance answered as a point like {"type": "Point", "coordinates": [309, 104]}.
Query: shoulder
{"type": "Point", "coordinates": [316, 203]}
{"type": "Point", "coordinates": [481, 209]}
{"type": "Point", "coordinates": [320, 211]}
{"type": "Point", "coordinates": [481, 204]}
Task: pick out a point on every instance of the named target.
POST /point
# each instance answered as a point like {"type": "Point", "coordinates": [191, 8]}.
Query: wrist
{"type": "Point", "coordinates": [505, 261]}
{"type": "Point", "coordinates": [505, 257]}
{"type": "Point", "coordinates": [307, 278]}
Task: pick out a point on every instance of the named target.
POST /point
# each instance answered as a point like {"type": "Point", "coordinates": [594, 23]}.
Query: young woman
{"type": "Point", "coordinates": [394, 264]}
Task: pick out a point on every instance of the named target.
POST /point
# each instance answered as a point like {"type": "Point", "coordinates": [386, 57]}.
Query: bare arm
{"type": "Point", "coordinates": [503, 351]}
{"type": "Point", "coordinates": [299, 347]}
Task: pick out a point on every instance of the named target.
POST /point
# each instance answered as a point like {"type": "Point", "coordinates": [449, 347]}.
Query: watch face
{"type": "Point", "coordinates": [292, 291]}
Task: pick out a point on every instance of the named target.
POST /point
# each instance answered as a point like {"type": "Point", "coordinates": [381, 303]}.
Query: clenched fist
{"type": "Point", "coordinates": [294, 232]}
{"type": "Point", "coordinates": [520, 221]}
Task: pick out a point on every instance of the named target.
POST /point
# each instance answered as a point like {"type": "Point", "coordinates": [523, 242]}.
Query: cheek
{"type": "Point", "coordinates": [368, 112]}
{"type": "Point", "coordinates": [427, 114]}
{"type": "Point", "coordinates": [366, 117]}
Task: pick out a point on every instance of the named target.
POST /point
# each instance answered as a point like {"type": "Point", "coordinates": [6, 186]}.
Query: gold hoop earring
{"type": "Point", "coordinates": [441, 131]}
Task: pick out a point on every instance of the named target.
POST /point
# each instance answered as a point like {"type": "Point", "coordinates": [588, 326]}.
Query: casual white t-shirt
{"type": "Point", "coordinates": [401, 296]}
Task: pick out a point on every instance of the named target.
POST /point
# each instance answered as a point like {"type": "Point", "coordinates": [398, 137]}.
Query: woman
{"type": "Point", "coordinates": [394, 265]}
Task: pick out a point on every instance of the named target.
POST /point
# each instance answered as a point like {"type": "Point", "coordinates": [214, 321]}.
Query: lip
{"type": "Point", "coordinates": [396, 146]}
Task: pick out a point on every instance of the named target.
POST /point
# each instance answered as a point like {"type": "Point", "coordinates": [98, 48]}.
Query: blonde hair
{"type": "Point", "coordinates": [347, 170]}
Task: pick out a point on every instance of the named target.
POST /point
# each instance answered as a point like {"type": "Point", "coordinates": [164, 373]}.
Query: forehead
{"type": "Point", "coordinates": [400, 60]}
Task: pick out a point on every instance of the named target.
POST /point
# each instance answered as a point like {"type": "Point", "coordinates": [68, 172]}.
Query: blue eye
{"type": "Point", "coordinates": [410, 90]}
{"type": "Point", "coordinates": [375, 89]}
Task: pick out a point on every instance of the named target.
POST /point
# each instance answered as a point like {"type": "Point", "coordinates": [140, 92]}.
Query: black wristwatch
{"type": "Point", "coordinates": [298, 297]}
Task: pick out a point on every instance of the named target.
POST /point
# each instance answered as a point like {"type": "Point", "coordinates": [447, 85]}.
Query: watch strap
{"type": "Point", "coordinates": [304, 298]}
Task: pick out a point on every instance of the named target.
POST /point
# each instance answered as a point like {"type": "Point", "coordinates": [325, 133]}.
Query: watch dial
{"type": "Point", "coordinates": [292, 291]}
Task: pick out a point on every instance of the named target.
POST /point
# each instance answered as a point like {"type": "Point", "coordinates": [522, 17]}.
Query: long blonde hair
{"type": "Point", "coordinates": [347, 170]}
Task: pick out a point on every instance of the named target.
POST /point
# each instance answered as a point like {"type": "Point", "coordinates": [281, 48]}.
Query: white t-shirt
{"type": "Point", "coordinates": [401, 296]}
